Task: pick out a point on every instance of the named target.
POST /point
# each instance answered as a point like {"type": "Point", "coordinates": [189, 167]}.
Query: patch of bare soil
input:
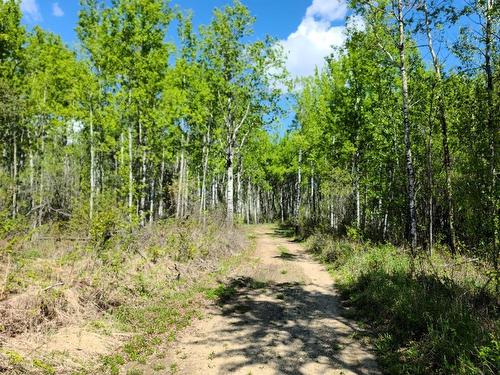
{"type": "Point", "coordinates": [283, 317]}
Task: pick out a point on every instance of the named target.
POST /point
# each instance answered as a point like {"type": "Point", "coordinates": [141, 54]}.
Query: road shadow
{"type": "Point", "coordinates": [285, 255]}
{"type": "Point", "coordinates": [285, 232]}
{"type": "Point", "coordinates": [284, 326]}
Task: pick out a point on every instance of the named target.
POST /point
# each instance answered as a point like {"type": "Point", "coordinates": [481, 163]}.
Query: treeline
{"type": "Point", "coordinates": [130, 118]}
{"type": "Point", "coordinates": [394, 140]}
{"type": "Point", "coordinates": [394, 147]}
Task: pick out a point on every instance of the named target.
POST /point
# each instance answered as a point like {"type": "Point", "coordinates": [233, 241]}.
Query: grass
{"type": "Point", "coordinates": [221, 293]}
{"type": "Point", "coordinates": [144, 292]}
{"type": "Point", "coordinates": [436, 319]}
{"type": "Point", "coordinates": [173, 368]}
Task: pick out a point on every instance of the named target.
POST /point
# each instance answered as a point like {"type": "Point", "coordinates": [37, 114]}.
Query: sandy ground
{"type": "Point", "coordinates": [283, 319]}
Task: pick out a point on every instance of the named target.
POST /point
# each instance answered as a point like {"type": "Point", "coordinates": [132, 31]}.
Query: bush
{"type": "Point", "coordinates": [143, 280]}
{"type": "Point", "coordinates": [329, 249]}
{"type": "Point", "coordinates": [425, 321]}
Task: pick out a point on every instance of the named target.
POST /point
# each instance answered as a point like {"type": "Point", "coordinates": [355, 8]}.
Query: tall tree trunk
{"type": "Point", "coordinates": [142, 207]}
{"type": "Point", "coordinates": [406, 124]}
{"type": "Point", "coordinates": [358, 202]}
{"type": "Point", "coordinates": [206, 150]}
{"type": "Point", "coordinates": [282, 209]}
{"type": "Point", "coordinates": [239, 200]}
{"type": "Point", "coordinates": [493, 131]}
{"type": "Point", "coordinates": [32, 176]}
{"type": "Point", "coordinates": [257, 208]}
{"type": "Point", "coordinates": [230, 187]}
{"type": "Point", "coordinates": [185, 198]}
{"type": "Point", "coordinates": [160, 184]}
{"type": "Point", "coordinates": [41, 186]}
{"type": "Point", "coordinates": [122, 150]}
{"type": "Point", "coordinates": [249, 200]}
{"type": "Point", "coordinates": [431, 184]}
{"type": "Point", "coordinates": [92, 165]}
{"type": "Point", "coordinates": [212, 203]}
{"type": "Point", "coordinates": [180, 190]}
{"type": "Point", "coordinates": [450, 221]}
{"type": "Point", "coordinates": [130, 173]}
{"type": "Point", "coordinates": [311, 197]}
{"type": "Point", "coordinates": [299, 184]}
{"type": "Point", "coordinates": [14, 175]}
{"type": "Point", "coordinates": [151, 199]}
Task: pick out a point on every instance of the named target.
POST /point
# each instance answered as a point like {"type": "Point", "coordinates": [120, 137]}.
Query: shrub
{"type": "Point", "coordinates": [425, 320]}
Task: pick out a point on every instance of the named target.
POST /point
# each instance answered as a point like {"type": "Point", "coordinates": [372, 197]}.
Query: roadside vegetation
{"type": "Point", "coordinates": [435, 314]}
{"type": "Point", "coordinates": [72, 304]}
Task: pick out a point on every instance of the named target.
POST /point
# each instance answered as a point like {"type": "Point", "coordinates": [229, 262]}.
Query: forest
{"type": "Point", "coordinates": [153, 147]}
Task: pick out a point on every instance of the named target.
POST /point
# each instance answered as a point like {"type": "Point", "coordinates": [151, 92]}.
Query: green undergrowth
{"type": "Point", "coordinates": [156, 321]}
{"type": "Point", "coordinates": [437, 319]}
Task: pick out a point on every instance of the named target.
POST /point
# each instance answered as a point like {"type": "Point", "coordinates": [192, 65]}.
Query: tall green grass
{"type": "Point", "coordinates": [430, 316]}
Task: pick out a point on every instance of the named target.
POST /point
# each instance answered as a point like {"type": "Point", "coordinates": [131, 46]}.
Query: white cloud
{"type": "Point", "coordinates": [308, 46]}
{"type": "Point", "coordinates": [31, 10]}
{"type": "Point", "coordinates": [329, 10]}
{"type": "Point", "coordinates": [56, 10]}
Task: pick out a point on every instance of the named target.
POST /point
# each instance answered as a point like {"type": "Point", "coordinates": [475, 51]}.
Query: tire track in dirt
{"type": "Point", "coordinates": [283, 317]}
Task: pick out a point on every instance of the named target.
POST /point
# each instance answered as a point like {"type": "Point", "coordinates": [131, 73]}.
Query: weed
{"type": "Point", "coordinates": [113, 363]}
{"type": "Point", "coordinates": [222, 293]}
{"type": "Point", "coordinates": [173, 368]}
{"type": "Point", "coordinates": [426, 321]}
{"type": "Point", "coordinates": [158, 367]}
{"type": "Point", "coordinates": [46, 368]}
{"type": "Point", "coordinates": [14, 357]}
{"type": "Point", "coordinates": [139, 347]}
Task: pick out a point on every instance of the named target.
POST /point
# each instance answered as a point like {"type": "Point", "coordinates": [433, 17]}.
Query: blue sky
{"type": "Point", "coordinates": [305, 27]}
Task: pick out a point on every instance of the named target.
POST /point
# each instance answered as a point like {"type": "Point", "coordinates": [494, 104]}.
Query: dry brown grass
{"type": "Point", "coordinates": [59, 297]}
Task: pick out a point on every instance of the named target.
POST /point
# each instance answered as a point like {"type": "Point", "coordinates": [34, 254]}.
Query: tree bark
{"type": "Point", "coordinates": [130, 173]}
{"type": "Point", "coordinates": [406, 124]}
{"type": "Point", "coordinates": [151, 199]}
{"type": "Point", "coordinates": [160, 184]}
{"type": "Point", "coordinates": [14, 176]}
{"type": "Point", "coordinates": [180, 194]}
{"type": "Point", "coordinates": [230, 187]}
{"type": "Point", "coordinates": [431, 184]}
{"type": "Point", "coordinates": [299, 183]}
{"type": "Point", "coordinates": [282, 209]}
{"type": "Point", "coordinates": [185, 199]}
{"type": "Point", "coordinates": [239, 199]}
{"type": "Point", "coordinates": [32, 176]}
{"type": "Point", "coordinates": [92, 165]}
{"type": "Point", "coordinates": [206, 151]}
{"type": "Point", "coordinates": [492, 130]}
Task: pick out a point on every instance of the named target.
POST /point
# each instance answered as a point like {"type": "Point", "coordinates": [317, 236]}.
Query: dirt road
{"type": "Point", "coordinates": [281, 316]}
